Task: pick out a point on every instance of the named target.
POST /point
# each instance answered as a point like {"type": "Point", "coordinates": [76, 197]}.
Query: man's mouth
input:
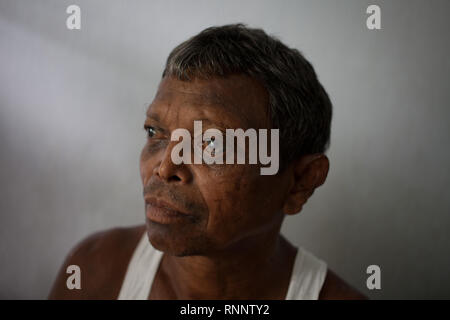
{"type": "Point", "coordinates": [163, 212]}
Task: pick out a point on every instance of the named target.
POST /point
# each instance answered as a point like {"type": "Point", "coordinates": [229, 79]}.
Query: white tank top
{"type": "Point", "coordinates": [308, 274]}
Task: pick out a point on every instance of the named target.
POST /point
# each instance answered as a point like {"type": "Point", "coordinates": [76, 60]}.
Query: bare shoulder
{"type": "Point", "coordinates": [103, 258]}
{"type": "Point", "coordinates": [335, 288]}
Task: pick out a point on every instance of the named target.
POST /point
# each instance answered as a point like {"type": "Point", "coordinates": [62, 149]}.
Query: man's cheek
{"type": "Point", "coordinates": [224, 210]}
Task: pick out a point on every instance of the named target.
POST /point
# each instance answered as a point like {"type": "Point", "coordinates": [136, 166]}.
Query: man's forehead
{"type": "Point", "coordinates": [235, 95]}
{"type": "Point", "coordinates": [199, 92]}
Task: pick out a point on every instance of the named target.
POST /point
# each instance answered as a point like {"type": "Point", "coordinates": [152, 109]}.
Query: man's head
{"type": "Point", "coordinates": [232, 77]}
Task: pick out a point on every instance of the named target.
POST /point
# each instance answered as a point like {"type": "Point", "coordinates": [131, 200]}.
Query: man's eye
{"type": "Point", "coordinates": [150, 131]}
{"type": "Point", "coordinates": [213, 147]}
{"type": "Point", "coordinates": [209, 146]}
{"type": "Point", "coordinates": [210, 143]}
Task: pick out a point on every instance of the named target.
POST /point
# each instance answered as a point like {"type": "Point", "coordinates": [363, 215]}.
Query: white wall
{"type": "Point", "coordinates": [72, 105]}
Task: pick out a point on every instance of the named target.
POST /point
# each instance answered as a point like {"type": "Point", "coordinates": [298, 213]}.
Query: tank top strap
{"type": "Point", "coordinates": [308, 276]}
{"type": "Point", "coordinates": [141, 271]}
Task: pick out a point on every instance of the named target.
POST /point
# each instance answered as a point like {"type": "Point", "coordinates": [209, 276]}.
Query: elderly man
{"type": "Point", "coordinates": [212, 230]}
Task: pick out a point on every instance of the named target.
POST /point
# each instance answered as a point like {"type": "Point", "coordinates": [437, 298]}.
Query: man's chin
{"type": "Point", "coordinates": [175, 244]}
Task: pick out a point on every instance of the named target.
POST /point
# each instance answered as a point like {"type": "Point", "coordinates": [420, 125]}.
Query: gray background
{"type": "Point", "coordinates": [73, 103]}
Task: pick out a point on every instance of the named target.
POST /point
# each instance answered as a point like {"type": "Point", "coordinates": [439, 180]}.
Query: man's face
{"type": "Point", "coordinates": [222, 203]}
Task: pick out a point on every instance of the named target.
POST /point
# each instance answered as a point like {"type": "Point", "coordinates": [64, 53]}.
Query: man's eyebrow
{"type": "Point", "coordinates": [213, 100]}
{"type": "Point", "coordinates": [220, 123]}
{"type": "Point", "coordinates": [155, 118]}
{"type": "Point", "coordinates": [208, 100]}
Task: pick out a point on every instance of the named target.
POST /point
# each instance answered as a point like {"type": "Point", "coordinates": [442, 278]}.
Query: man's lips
{"type": "Point", "coordinates": [160, 203]}
{"type": "Point", "coordinates": [163, 212]}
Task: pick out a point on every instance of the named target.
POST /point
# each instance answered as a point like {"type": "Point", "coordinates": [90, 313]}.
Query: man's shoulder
{"type": "Point", "coordinates": [335, 288]}
{"type": "Point", "coordinates": [103, 259]}
{"type": "Point", "coordinates": [100, 245]}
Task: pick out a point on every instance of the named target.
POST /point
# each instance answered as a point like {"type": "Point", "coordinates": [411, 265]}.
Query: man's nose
{"type": "Point", "coordinates": [169, 171]}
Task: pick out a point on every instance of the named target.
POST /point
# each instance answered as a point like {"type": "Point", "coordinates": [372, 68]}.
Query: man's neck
{"type": "Point", "coordinates": [259, 267]}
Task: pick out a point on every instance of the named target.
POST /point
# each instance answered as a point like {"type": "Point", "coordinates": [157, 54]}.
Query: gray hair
{"type": "Point", "coordinates": [298, 104]}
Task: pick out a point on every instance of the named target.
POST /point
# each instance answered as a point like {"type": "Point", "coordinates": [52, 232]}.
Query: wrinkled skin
{"type": "Point", "coordinates": [234, 203]}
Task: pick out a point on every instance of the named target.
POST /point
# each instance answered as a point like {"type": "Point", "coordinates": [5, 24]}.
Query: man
{"type": "Point", "coordinates": [213, 230]}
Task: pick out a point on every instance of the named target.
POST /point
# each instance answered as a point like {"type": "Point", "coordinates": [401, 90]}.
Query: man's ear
{"type": "Point", "coordinates": [308, 173]}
